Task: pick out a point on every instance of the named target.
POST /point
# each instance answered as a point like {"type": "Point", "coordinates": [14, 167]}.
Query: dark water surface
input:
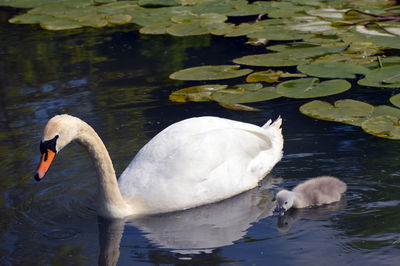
{"type": "Point", "coordinates": [117, 81]}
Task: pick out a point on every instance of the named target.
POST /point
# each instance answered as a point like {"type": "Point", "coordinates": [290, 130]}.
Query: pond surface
{"type": "Point", "coordinates": [117, 81]}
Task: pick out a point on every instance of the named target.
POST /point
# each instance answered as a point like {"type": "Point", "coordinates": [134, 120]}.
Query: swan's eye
{"type": "Point", "coordinates": [285, 202]}
{"type": "Point", "coordinates": [49, 144]}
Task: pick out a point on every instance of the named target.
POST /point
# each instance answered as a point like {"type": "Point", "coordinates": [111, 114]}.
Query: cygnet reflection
{"type": "Point", "coordinates": [195, 230]}
{"type": "Point", "coordinates": [318, 213]}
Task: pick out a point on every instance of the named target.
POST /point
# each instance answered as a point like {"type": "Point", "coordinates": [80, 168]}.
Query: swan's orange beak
{"type": "Point", "coordinates": [45, 162]}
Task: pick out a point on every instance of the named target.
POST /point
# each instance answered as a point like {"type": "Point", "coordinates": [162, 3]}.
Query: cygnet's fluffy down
{"type": "Point", "coordinates": [314, 192]}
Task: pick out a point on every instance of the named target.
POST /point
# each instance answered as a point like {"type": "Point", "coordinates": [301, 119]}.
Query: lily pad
{"type": "Point", "coordinates": [346, 111]}
{"type": "Point", "coordinates": [384, 126]}
{"type": "Point", "coordinates": [60, 24]}
{"type": "Point", "coordinates": [328, 13]}
{"type": "Point", "coordinates": [271, 76]}
{"type": "Point", "coordinates": [382, 77]}
{"type": "Point", "coordinates": [379, 41]}
{"type": "Point", "coordinates": [395, 100]}
{"type": "Point", "coordinates": [245, 95]}
{"type": "Point", "coordinates": [311, 88]}
{"type": "Point", "coordinates": [278, 34]}
{"type": "Point", "coordinates": [158, 28]}
{"type": "Point", "coordinates": [210, 72]}
{"type": "Point", "coordinates": [332, 69]}
{"type": "Point", "coordinates": [196, 93]}
{"type": "Point", "coordinates": [239, 107]}
{"type": "Point", "coordinates": [158, 3]}
{"type": "Point", "coordinates": [307, 51]}
{"type": "Point", "coordinates": [272, 59]}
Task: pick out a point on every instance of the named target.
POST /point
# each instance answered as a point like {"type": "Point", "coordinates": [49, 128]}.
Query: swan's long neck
{"type": "Point", "coordinates": [109, 199]}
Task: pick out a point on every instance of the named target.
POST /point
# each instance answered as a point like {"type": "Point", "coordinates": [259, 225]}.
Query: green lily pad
{"type": "Point", "coordinates": [158, 3]}
{"type": "Point", "coordinates": [316, 26]}
{"type": "Point", "coordinates": [36, 3]}
{"type": "Point", "coordinates": [271, 76]}
{"type": "Point", "coordinates": [395, 100]}
{"type": "Point", "coordinates": [241, 94]}
{"type": "Point", "coordinates": [332, 69]}
{"type": "Point", "coordinates": [272, 59]}
{"type": "Point", "coordinates": [28, 18]}
{"type": "Point", "coordinates": [385, 110]}
{"type": "Point", "coordinates": [60, 24]}
{"type": "Point", "coordinates": [239, 107]}
{"type": "Point", "coordinates": [384, 126]}
{"type": "Point", "coordinates": [118, 19]}
{"type": "Point", "coordinates": [345, 111]}
{"type": "Point", "coordinates": [327, 13]}
{"type": "Point", "coordinates": [382, 77]}
{"type": "Point", "coordinates": [158, 28]}
{"type": "Point", "coordinates": [192, 24]}
{"type": "Point", "coordinates": [196, 93]}
{"type": "Point", "coordinates": [311, 88]}
{"type": "Point", "coordinates": [379, 41]}
{"type": "Point", "coordinates": [243, 8]}
{"type": "Point", "coordinates": [278, 33]}
{"type": "Point", "coordinates": [307, 51]}
{"type": "Point", "coordinates": [188, 29]}
{"type": "Point", "coordinates": [210, 72]}
{"type": "Point", "coordinates": [242, 29]}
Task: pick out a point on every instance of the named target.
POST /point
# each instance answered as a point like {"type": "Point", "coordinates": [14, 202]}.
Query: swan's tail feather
{"type": "Point", "coordinates": [277, 123]}
{"type": "Point", "coordinates": [275, 131]}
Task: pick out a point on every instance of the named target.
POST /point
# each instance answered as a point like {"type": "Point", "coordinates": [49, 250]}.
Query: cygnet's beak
{"type": "Point", "coordinates": [44, 164]}
{"type": "Point", "coordinates": [280, 210]}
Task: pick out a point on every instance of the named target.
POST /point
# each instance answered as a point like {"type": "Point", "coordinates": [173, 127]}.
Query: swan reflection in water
{"type": "Point", "coordinates": [193, 231]}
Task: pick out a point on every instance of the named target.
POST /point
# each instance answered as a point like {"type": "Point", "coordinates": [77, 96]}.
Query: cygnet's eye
{"type": "Point", "coordinates": [285, 202]}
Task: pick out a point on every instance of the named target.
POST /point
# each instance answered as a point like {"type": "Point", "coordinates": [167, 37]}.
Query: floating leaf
{"type": "Point", "coordinates": [270, 76]}
{"type": "Point", "coordinates": [191, 28]}
{"type": "Point", "coordinates": [332, 69]}
{"type": "Point", "coordinates": [245, 95]}
{"type": "Point", "coordinates": [60, 24]}
{"type": "Point", "coordinates": [196, 94]}
{"type": "Point", "coordinates": [158, 3]}
{"type": "Point", "coordinates": [307, 51]}
{"type": "Point", "coordinates": [158, 28]}
{"type": "Point", "coordinates": [327, 13]}
{"type": "Point", "coordinates": [210, 72]}
{"type": "Point", "coordinates": [395, 100]}
{"type": "Point", "coordinates": [382, 77]}
{"type": "Point", "coordinates": [245, 9]}
{"type": "Point", "coordinates": [379, 41]}
{"type": "Point", "coordinates": [311, 88]}
{"type": "Point", "coordinates": [313, 26]}
{"type": "Point", "coordinates": [346, 111]}
{"type": "Point", "coordinates": [239, 107]}
{"type": "Point", "coordinates": [36, 3]}
{"type": "Point", "coordinates": [278, 33]}
{"type": "Point", "coordinates": [118, 19]}
{"type": "Point", "coordinates": [272, 59]}
{"type": "Point", "coordinates": [384, 126]}
{"type": "Point", "coordinates": [243, 29]}
{"type": "Point", "coordinates": [362, 29]}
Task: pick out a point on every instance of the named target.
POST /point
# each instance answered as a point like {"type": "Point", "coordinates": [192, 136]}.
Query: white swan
{"type": "Point", "coordinates": [314, 192]}
{"type": "Point", "coordinates": [190, 163]}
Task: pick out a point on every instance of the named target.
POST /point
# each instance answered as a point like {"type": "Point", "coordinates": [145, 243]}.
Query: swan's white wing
{"type": "Point", "coordinates": [198, 161]}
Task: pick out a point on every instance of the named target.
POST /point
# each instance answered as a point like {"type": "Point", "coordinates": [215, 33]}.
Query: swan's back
{"type": "Point", "coordinates": [199, 161]}
{"type": "Point", "coordinates": [320, 190]}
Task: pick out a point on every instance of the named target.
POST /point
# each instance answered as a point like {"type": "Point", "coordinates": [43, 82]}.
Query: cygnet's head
{"type": "Point", "coordinates": [284, 201]}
